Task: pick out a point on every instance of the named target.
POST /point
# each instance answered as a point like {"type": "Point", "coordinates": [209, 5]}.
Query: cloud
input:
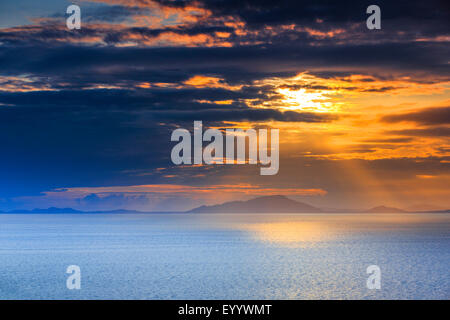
{"type": "Point", "coordinates": [429, 132]}
{"type": "Point", "coordinates": [170, 189]}
{"type": "Point", "coordinates": [87, 107]}
{"type": "Point", "coordinates": [114, 201]}
{"type": "Point", "coordinates": [389, 140]}
{"type": "Point", "coordinates": [427, 116]}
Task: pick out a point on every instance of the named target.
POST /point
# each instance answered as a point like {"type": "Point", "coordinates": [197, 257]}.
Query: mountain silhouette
{"type": "Point", "coordinates": [49, 210]}
{"type": "Point", "coordinates": [384, 209]}
{"type": "Point", "coordinates": [69, 211]}
{"type": "Point", "coordinates": [266, 204]}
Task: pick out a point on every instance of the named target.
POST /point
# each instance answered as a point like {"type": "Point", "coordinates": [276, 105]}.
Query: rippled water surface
{"type": "Point", "coordinates": [277, 256]}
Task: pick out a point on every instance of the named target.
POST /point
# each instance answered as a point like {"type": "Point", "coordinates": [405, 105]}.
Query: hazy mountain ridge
{"type": "Point", "coordinates": [264, 204]}
{"type": "Point", "coordinates": [384, 209]}
{"type": "Point", "coordinates": [54, 210]}
{"type": "Point", "coordinates": [49, 210]}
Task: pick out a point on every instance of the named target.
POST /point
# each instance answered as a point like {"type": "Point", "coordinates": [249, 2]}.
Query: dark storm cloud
{"type": "Point", "coordinates": [51, 146]}
{"type": "Point", "coordinates": [429, 18]}
{"type": "Point", "coordinates": [162, 105]}
{"type": "Point", "coordinates": [427, 116]}
{"type": "Point", "coordinates": [246, 115]}
{"type": "Point", "coordinates": [94, 30]}
{"type": "Point", "coordinates": [34, 49]}
{"type": "Point", "coordinates": [107, 13]}
{"type": "Point", "coordinates": [284, 11]}
{"type": "Point", "coordinates": [312, 20]}
{"type": "Point", "coordinates": [236, 65]}
{"type": "Point", "coordinates": [112, 13]}
{"type": "Point", "coordinates": [129, 100]}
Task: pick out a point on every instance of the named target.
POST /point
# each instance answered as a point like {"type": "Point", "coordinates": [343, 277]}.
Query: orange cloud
{"type": "Point", "coordinates": [23, 84]}
{"type": "Point", "coordinates": [171, 189]}
{"type": "Point", "coordinates": [205, 194]}
{"type": "Point", "coordinates": [200, 81]}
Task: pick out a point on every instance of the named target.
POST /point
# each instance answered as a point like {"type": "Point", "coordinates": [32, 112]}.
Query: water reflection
{"type": "Point", "coordinates": [309, 230]}
{"type": "Point", "coordinates": [293, 233]}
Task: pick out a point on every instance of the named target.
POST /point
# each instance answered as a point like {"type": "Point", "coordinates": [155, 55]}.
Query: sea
{"type": "Point", "coordinates": [225, 256]}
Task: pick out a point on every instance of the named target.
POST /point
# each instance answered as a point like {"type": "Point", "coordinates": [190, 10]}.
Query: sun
{"type": "Point", "coordinates": [305, 100]}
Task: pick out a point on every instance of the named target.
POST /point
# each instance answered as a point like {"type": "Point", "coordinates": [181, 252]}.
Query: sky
{"type": "Point", "coordinates": [86, 115]}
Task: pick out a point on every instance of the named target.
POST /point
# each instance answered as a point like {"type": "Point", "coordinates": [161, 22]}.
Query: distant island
{"type": "Point", "coordinates": [264, 204]}
{"type": "Point", "coordinates": [384, 209]}
{"type": "Point", "coordinates": [54, 210]}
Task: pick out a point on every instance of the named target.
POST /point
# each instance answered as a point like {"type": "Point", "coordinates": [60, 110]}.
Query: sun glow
{"type": "Point", "coordinates": [306, 101]}
{"type": "Point", "coordinates": [304, 92]}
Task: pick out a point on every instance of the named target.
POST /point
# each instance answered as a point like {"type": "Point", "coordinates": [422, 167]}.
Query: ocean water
{"type": "Point", "coordinates": [200, 256]}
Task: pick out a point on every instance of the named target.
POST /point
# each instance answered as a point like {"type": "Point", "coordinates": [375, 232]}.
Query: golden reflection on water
{"type": "Point", "coordinates": [291, 233]}
{"type": "Point", "coordinates": [311, 230]}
